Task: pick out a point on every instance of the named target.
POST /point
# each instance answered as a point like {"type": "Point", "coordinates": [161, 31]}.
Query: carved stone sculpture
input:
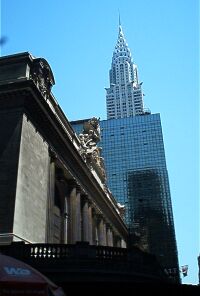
{"type": "Point", "coordinates": [42, 76]}
{"type": "Point", "coordinates": [89, 150]}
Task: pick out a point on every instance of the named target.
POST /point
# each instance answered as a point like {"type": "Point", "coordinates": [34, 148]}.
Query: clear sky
{"type": "Point", "coordinates": [78, 37]}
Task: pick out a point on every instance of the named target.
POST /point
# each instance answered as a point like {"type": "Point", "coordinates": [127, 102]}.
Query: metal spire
{"type": "Point", "coordinates": [119, 19]}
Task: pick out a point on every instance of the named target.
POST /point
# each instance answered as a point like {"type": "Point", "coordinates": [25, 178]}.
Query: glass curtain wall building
{"type": "Point", "coordinates": [134, 157]}
{"type": "Point", "coordinates": [133, 151]}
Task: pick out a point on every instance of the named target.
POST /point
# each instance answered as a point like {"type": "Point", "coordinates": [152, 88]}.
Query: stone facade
{"type": "Point", "coordinates": [32, 185]}
{"type": "Point", "coordinates": [48, 192]}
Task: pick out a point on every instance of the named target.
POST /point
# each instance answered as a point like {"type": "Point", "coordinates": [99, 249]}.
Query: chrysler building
{"type": "Point", "coordinates": [124, 97]}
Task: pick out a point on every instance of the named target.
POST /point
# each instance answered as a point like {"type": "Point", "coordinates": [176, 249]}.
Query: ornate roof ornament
{"type": "Point", "coordinates": [89, 150]}
{"type": "Point", "coordinates": [42, 76]}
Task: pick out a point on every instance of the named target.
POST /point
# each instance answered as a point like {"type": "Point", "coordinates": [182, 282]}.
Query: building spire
{"type": "Point", "coordinates": [124, 97]}
{"type": "Point", "coordinates": [120, 25]}
{"type": "Point", "coordinates": [119, 20]}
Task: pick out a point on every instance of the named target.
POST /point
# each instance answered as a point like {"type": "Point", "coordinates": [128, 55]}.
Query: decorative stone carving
{"type": "Point", "coordinates": [42, 76]}
{"type": "Point", "coordinates": [89, 150]}
{"type": "Point", "coordinates": [122, 210]}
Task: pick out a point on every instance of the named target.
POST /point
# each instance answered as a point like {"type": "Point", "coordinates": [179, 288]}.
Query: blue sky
{"type": "Point", "coordinates": [78, 37]}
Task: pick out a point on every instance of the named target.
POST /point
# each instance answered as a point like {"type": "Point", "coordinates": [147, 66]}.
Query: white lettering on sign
{"type": "Point", "coordinates": [17, 271]}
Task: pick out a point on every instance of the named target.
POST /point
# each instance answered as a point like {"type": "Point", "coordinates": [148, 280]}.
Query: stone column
{"type": "Point", "coordinates": [109, 237]}
{"type": "Point", "coordinates": [95, 238]}
{"type": "Point", "coordinates": [66, 221]}
{"type": "Point", "coordinates": [101, 231]}
{"type": "Point", "coordinates": [85, 220]}
{"type": "Point", "coordinates": [90, 223]}
{"type": "Point", "coordinates": [104, 234]}
{"type": "Point", "coordinates": [72, 216]}
{"type": "Point", "coordinates": [116, 240]}
{"type": "Point", "coordinates": [51, 192]}
{"type": "Point", "coordinates": [78, 218]}
{"type": "Point", "coordinates": [96, 235]}
{"type": "Point", "coordinates": [123, 244]}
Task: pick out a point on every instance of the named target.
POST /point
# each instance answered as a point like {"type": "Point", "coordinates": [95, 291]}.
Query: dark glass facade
{"type": "Point", "coordinates": [134, 156]}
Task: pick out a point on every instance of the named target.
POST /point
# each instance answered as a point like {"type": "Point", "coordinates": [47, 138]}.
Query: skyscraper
{"type": "Point", "coordinates": [133, 151]}
{"type": "Point", "coordinates": [124, 96]}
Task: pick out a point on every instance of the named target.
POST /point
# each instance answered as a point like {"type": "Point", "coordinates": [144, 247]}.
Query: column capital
{"type": "Point", "coordinates": [90, 204]}
{"type": "Point", "coordinates": [52, 154]}
{"type": "Point", "coordinates": [71, 184]}
{"type": "Point", "coordinates": [78, 188]}
{"type": "Point", "coordinates": [84, 198]}
{"type": "Point", "coordinates": [99, 217]}
{"type": "Point", "coordinates": [108, 225]}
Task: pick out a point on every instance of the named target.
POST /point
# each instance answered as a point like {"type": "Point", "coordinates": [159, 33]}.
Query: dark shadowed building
{"type": "Point", "coordinates": [50, 192]}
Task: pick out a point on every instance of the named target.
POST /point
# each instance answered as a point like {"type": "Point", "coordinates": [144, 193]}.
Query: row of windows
{"type": "Point", "coordinates": [139, 137]}
{"type": "Point", "coordinates": [133, 132]}
{"type": "Point", "coordinates": [135, 162]}
{"type": "Point", "coordinates": [123, 141]}
{"type": "Point", "coordinates": [133, 156]}
{"type": "Point", "coordinates": [135, 135]}
{"type": "Point", "coordinates": [135, 165]}
{"type": "Point", "coordinates": [117, 103]}
{"type": "Point", "coordinates": [133, 121]}
{"type": "Point", "coordinates": [156, 151]}
{"type": "Point", "coordinates": [134, 128]}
